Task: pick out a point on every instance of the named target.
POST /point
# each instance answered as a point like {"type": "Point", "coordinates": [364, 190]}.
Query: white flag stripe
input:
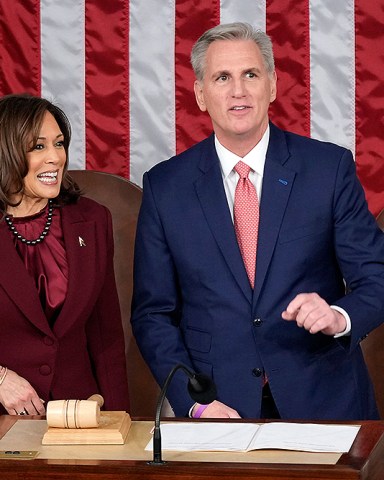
{"type": "Point", "coordinates": [62, 59]}
{"type": "Point", "coordinates": [152, 84]}
{"type": "Point", "coordinates": [333, 71]}
{"type": "Point", "coordinates": [244, 11]}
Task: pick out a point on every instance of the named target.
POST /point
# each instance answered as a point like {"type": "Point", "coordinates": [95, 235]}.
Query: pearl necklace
{"type": "Point", "coordinates": [44, 233]}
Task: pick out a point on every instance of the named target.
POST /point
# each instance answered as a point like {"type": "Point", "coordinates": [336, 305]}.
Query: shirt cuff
{"type": "Point", "coordinates": [191, 410]}
{"type": "Point", "coordinates": [347, 330]}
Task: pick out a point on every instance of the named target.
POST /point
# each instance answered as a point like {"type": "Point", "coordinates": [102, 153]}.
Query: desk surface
{"type": "Point", "coordinates": [364, 461]}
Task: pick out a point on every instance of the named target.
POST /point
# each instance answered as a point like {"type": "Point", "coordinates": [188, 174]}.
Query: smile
{"type": "Point", "coordinates": [48, 177]}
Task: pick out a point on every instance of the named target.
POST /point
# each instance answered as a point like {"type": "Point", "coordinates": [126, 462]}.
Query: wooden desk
{"type": "Point", "coordinates": [364, 461]}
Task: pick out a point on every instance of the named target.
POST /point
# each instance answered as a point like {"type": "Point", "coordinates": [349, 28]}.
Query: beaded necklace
{"type": "Point", "coordinates": [44, 233]}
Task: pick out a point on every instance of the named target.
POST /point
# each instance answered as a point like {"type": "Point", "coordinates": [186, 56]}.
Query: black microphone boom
{"type": "Point", "coordinates": [201, 389]}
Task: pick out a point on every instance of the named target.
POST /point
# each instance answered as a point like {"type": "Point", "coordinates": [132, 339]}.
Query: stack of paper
{"type": "Point", "coordinates": [243, 437]}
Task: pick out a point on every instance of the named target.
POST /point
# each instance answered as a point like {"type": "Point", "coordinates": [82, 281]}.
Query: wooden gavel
{"type": "Point", "coordinates": [75, 413]}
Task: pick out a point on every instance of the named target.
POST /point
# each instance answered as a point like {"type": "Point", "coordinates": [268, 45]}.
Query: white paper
{"type": "Point", "coordinates": [243, 437]}
{"type": "Point", "coordinates": [306, 437]}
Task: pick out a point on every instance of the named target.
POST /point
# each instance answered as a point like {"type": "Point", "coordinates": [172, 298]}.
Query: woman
{"type": "Point", "coordinates": [61, 335]}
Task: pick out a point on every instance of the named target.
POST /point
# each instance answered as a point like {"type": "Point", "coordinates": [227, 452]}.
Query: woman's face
{"type": "Point", "coordinates": [46, 162]}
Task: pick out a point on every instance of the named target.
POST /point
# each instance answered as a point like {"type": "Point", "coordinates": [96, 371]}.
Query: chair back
{"type": "Point", "coordinates": [380, 220]}
{"type": "Point", "coordinates": [373, 350]}
{"type": "Point", "coordinates": [123, 198]}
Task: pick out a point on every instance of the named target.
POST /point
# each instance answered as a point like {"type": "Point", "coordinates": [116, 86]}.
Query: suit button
{"type": "Point", "coordinates": [257, 372]}
{"type": "Point", "coordinates": [48, 341]}
{"type": "Point", "coordinates": [45, 370]}
{"type": "Point", "coordinates": [257, 322]}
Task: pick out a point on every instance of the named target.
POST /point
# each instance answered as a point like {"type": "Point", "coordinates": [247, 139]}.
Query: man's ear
{"type": "Point", "coordinates": [273, 86]}
{"type": "Point", "coordinates": [199, 95]}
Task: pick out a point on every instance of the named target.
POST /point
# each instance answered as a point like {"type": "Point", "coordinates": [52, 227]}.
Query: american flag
{"type": "Point", "coordinates": [120, 69]}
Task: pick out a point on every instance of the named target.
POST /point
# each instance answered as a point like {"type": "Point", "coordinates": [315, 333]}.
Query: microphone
{"type": "Point", "coordinates": [201, 388]}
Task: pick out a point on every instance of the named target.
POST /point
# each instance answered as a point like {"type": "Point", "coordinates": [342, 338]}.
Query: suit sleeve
{"type": "Point", "coordinates": [157, 303]}
{"type": "Point", "coordinates": [359, 245]}
{"type": "Point", "coordinates": [106, 335]}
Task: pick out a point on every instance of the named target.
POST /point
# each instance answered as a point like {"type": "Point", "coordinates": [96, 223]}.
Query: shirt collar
{"type": "Point", "coordinates": [254, 159]}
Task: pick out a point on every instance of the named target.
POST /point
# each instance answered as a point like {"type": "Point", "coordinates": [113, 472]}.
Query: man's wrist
{"type": "Point", "coordinates": [347, 329]}
{"type": "Point", "coordinates": [198, 410]}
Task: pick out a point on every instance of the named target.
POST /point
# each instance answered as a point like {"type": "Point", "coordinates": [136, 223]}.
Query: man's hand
{"type": "Point", "coordinates": [314, 314]}
{"type": "Point", "coordinates": [217, 409]}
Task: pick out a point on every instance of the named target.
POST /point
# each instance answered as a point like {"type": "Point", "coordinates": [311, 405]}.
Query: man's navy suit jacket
{"type": "Point", "coordinates": [193, 303]}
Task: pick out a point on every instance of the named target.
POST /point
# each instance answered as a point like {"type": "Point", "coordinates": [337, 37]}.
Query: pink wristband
{"type": "Point", "coordinates": [199, 411]}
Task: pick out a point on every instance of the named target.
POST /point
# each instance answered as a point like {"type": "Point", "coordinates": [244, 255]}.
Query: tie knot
{"type": "Point", "coordinates": [242, 169]}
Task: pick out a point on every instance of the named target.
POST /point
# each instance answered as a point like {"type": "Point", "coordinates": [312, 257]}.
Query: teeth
{"type": "Point", "coordinates": [238, 108]}
{"type": "Point", "coordinates": [47, 177]}
{"type": "Point", "coordinates": [48, 174]}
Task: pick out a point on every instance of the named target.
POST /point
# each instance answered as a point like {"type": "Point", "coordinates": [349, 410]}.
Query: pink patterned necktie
{"type": "Point", "coordinates": [246, 219]}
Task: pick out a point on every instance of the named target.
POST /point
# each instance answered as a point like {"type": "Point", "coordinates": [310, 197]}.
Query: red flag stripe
{"type": "Point", "coordinates": [192, 19]}
{"type": "Point", "coordinates": [369, 21]}
{"type": "Point", "coordinates": [288, 26]}
{"type": "Point", "coordinates": [107, 86]}
{"type": "Point", "coordinates": [20, 47]}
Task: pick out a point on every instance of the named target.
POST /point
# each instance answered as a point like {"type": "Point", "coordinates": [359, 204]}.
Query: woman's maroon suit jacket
{"type": "Point", "coordinates": [84, 352]}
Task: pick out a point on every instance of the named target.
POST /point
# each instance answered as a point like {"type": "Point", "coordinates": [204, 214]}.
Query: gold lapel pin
{"type": "Point", "coordinates": [81, 242]}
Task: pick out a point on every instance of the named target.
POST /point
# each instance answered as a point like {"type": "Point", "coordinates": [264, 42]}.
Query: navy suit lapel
{"type": "Point", "coordinates": [277, 184]}
{"type": "Point", "coordinates": [210, 191]}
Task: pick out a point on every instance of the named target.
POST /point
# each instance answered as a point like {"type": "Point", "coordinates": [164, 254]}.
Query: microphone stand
{"type": "Point", "coordinates": [202, 390]}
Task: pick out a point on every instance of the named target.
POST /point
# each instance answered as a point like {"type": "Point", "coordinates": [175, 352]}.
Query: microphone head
{"type": "Point", "coordinates": [202, 389]}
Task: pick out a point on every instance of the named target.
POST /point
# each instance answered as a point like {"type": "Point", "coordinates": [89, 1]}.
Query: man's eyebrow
{"type": "Point", "coordinates": [255, 69]}
{"type": "Point", "coordinates": [252, 69]}
{"type": "Point", "coordinates": [218, 73]}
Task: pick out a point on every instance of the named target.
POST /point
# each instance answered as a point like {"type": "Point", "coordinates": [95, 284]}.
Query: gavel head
{"type": "Point", "coordinates": [74, 413]}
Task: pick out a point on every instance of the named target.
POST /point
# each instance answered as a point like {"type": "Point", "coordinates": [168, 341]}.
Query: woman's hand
{"type": "Point", "coordinates": [19, 397]}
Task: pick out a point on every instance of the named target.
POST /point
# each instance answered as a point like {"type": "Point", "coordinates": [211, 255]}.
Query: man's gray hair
{"type": "Point", "coordinates": [231, 31]}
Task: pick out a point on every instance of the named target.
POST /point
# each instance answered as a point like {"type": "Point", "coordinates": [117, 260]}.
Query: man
{"type": "Point", "coordinates": [280, 337]}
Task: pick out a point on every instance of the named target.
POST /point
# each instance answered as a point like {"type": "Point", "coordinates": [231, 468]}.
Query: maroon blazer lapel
{"type": "Point", "coordinates": [17, 283]}
{"type": "Point", "coordinates": [80, 244]}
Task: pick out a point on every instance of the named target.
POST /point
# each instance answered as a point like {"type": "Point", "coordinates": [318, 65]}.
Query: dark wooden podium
{"type": "Point", "coordinates": [365, 460]}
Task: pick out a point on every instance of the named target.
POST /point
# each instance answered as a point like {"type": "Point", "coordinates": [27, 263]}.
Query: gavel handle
{"type": "Point", "coordinates": [97, 398]}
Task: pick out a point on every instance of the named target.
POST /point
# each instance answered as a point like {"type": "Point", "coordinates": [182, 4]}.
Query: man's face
{"type": "Point", "coordinates": [236, 92]}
